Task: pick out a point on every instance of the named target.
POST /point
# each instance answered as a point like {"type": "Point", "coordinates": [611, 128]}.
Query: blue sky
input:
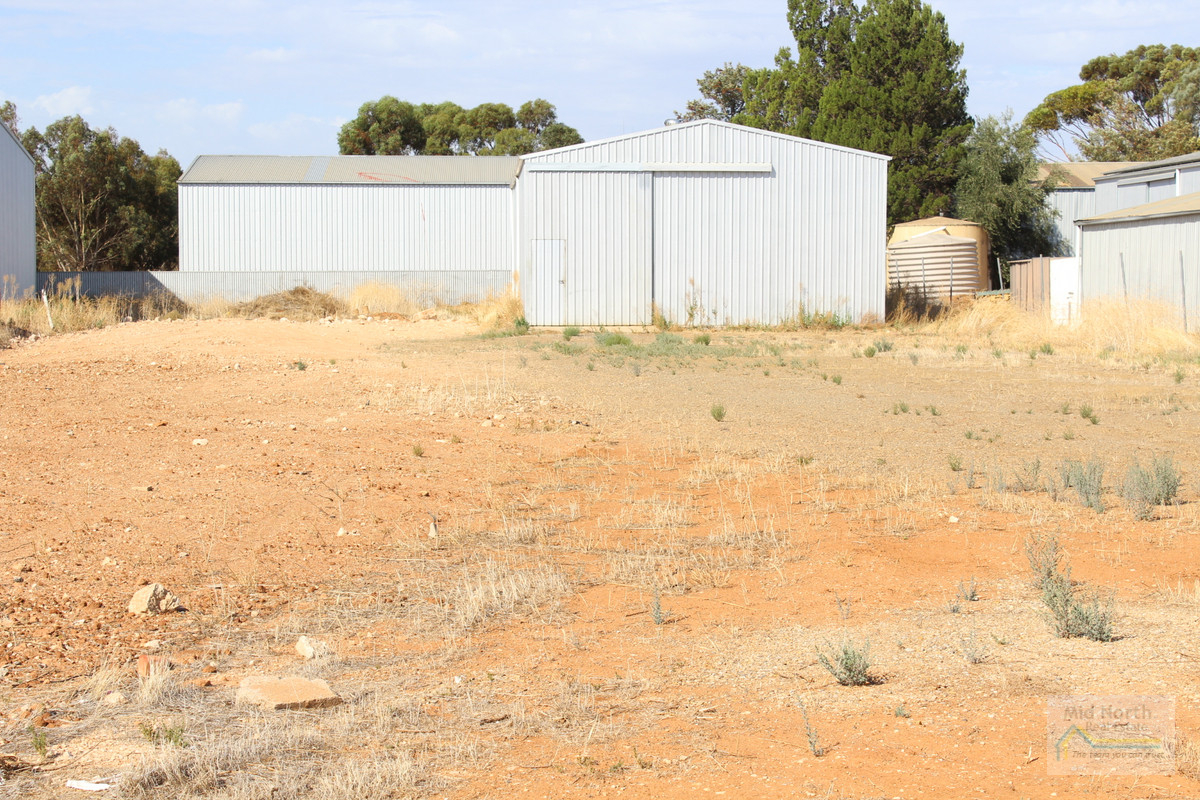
{"type": "Point", "coordinates": [262, 76]}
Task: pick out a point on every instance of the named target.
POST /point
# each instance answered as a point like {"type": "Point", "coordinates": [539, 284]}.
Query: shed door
{"type": "Point", "coordinates": [590, 249]}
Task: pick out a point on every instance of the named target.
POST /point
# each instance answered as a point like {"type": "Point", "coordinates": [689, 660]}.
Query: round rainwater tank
{"type": "Point", "coordinates": [952, 227]}
{"type": "Point", "coordinates": [937, 264]}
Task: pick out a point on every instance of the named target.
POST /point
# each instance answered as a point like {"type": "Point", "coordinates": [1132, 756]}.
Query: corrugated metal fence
{"type": "Point", "coordinates": [1031, 284]}
{"type": "Point", "coordinates": [425, 287]}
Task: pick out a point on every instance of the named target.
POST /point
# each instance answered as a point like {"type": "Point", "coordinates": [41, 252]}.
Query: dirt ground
{"type": "Point", "coordinates": [624, 595]}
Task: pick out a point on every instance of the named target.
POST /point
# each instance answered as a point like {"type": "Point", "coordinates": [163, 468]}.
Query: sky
{"type": "Point", "coordinates": [271, 77]}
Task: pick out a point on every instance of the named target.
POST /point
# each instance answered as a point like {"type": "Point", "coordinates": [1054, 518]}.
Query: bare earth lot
{"type": "Point", "coordinates": [624, 596]}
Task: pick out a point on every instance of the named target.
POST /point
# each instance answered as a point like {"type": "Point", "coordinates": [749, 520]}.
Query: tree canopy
{"type": "Point", "coordinates": [102, 203]}
{"type": "Point", "coordinates": [389, 126]}
{"type": "Point", "coordinates": [1140, 106]}
{"type": "Point", "coordinates": [883, 76]}
{"type": "Point", "coordinates": [998, 188]}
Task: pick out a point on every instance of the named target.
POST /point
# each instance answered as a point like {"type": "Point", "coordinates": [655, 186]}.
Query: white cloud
{"type": "Point", "coordinates": [292, 128]}
{"type": "Point", "coordinates": [278, 55]}
{"type": "Point", "coordinates": [189, 110]}
{"type": "Point", "coordinates": [72, 100]}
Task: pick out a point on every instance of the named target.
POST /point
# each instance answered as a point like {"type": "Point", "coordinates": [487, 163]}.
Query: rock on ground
{"type": "Point", "coordinates": [276, 693]}
{"type": "Point", "coordinates": [153, 599]}
{"type": "Point", "coordinates": [312, 648]}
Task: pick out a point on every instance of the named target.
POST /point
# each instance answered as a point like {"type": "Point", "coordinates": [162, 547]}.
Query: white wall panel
{"type": "Point", "coordinates": [331, 228]}
{"type": "Point", "coordinates": [18, 248]}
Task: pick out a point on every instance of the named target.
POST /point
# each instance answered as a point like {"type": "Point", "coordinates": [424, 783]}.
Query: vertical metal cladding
{"type": "Point", "coordinates": [1153, 259]}
{"type": "Point", "coordinates": [329, 227]}
{"type": "Point", "coordinates": [700, 231]}
{"type": "Point", "coordinates": [1070, 204]}
{"type": "Point", "coordinates": [18, 249]}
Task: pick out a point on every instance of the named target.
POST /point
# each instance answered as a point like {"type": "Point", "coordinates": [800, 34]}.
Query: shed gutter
{"type": "Point", "coordinates": [647, 166]}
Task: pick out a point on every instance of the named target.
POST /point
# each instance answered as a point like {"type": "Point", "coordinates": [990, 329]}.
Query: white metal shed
{"type": "Point", "coordinates": [710, 222]}
{"type": "Point", "coordinates": [255, 224]}
{"type": "Point", "coordinates": [1148, 252]}
{"type": "Point", "coordinates": [18, 246]}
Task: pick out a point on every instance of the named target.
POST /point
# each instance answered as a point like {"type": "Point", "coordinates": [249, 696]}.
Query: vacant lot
{"type": "Point", "coordinates": [644, 543]}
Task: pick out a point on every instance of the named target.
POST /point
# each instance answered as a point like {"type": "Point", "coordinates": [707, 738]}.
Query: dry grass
{"type": "Point", "coordinates": [382, 298]}
{"type": "Point", "coordinates": [301, 304]}
{"type": "Point", "coordinates": [494, 311]}
{"type": "Point", "coordinates": [1134, 329]}
{"type": "Point", "coordinates": [66, 310]}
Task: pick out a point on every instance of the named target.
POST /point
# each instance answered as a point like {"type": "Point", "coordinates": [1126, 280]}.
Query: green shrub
{"type": "Point", "coordinates": [1069, 616]}
{"type": "Point", "coordinates": [1146, 488]}
{"type": "Point", "coordinates": [1086, 479]}
{"type": "Point", "coordinates": [610, 339]}
{"type": "Point", "coordinates": [718, 412]}
{"type": "Point", "coordinates": [848, 663]}
{"type": "Point", "coordinates": [869, 352]}
{"type": "Point", "coordinates": [702, 338]}
{"type": "Point", "coordinates": [883, 345]}
{"type": "Point", "coordinates": [570, 332]}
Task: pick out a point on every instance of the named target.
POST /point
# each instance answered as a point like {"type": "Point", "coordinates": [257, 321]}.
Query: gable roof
{"type": "Point", "coordinates": [20, 146]}
{"type": "Point", "coordinates": [714, 123]}
{"type": "Point", "coordinates": [1081, 174]}
{"type": "Point", "coordinates": [1187, 159]}
{"type": "Point", "coordinates": [1171, 207]}
{"type": "Point", "coordinates": [366, 170]}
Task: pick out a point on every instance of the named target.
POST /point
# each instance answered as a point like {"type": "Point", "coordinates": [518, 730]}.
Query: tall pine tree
{"type": "Point", "coordinates": [903, 94]}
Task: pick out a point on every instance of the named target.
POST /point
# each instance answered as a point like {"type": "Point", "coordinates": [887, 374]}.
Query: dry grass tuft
{"type": "Point", "coordinates": [301, 303]}
{"type": "Point", "coordinates": [382, 298]}
{"type": "Point", "coordinates": [1139, 328]}
{"type": "Point", "coordinates": [495, 311]}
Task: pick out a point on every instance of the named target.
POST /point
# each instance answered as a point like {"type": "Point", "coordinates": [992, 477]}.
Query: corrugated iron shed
{"type": "Point", "coordinates": [1171, 207]}
{"type": "Point", "coordinates": [300, 170]}
{"type": "Point", "coordinates": [1081, 174]}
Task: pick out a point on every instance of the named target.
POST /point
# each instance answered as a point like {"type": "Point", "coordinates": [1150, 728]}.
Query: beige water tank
{"type": "Point", "coordinates": [936, 263]}
{"type": "Point", "coordinates": [959, 228]}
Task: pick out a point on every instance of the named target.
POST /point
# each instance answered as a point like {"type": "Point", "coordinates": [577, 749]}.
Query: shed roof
{"type": "Point", "coordinates": [1081, 174]}
{"type": "Point", "coordinates": [1155, 166]}
{"type": "Point", "coordinates": [9, 131]}
{"type": "Point", "coordinates": [428, 170]}
{"type": "Point", "coordinates": [549, 155]}
{"type": "Point", "coordinates": [1171, 207]}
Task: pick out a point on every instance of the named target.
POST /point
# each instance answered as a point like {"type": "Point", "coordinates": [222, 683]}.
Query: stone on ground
{"type": "Point", "coordinates": [276, 693]}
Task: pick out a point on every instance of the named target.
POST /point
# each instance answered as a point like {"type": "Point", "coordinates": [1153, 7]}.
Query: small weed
{"type": "Point", "coordinates": [970, 435]}
{"type": "Point", "coordinates": [900, 408]}
{"type": "Point", "coordinates": [883, 345]}
{"type": "Point", "coordinates": [934, 411]}
{"type": "Point", "coordinates": [955, 464]}
{"type": "Point", "coordinates": [804, 461]}
{"type": "Point", "coordinates": [954, 607]}
{"type": "Point", "coordinates": [960, 351]}
{"type": "Point", "coordinates": [997, 352]}
{"type": "Point", "coordinates": [975, 651]}
{"type": "Point", "coordinates": [1068, 615]}
{"type": "Point", "coordinates": [837, 380]}
{"type": "Point", "coordinates": [418, 451]}
{"type": "Point", "coordinates": [718, 412]}
{"type": "Point", "coordinates": [968, 591]}
{"type": "Point", "coordinates": [170, 734]}
{"type": "Point", "coordinates": [656, 610]}
{"type": "Point", "coordinates": [814, 741]}
{"type": "Point", "coordinates": [1179, 375]}
{"type": "Point", "coordinates": [1068, 435]}
{"type": "Point", "coordinates": [1047, 349]}
{"type": "Point", "coordinates": [902, 712]}
{"type": "Point", "coordinates": [299, 365]}
{"type": "Point", "coordinates": [636, 369]}
{"type": "Point", "coordinates": [914, 358]}
{"type": "Point", "coordinates": [39, 740]}
{"type": "Point", "coordinates": [868, 352]}
{"type": "Point", "coordinates": [848, 663]}
{"type": "Point", "coordinates": [570, 332]}
{"type": "Point", "coordinates": [702, 339]}
{"type": "Point", "coordinates": [591, 366]}
{"type": "Point", "coordinates": [455, 439]}
{"type": "Point", "coordinates": [1087, 413]}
